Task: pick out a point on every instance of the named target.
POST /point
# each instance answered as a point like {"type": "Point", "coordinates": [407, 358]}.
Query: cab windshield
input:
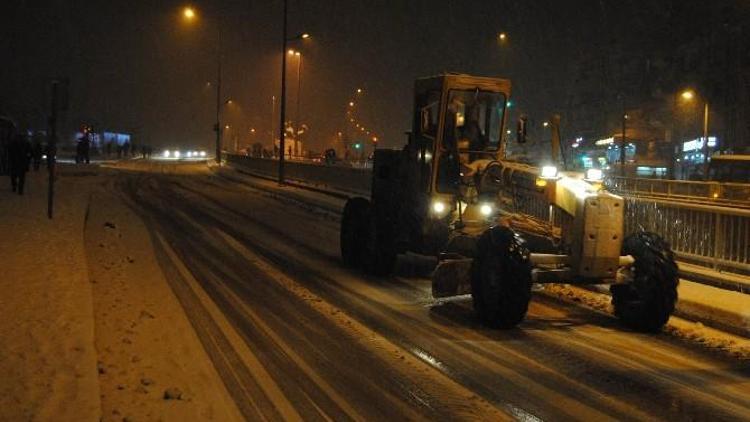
{"type": "Point", "coordinates": [473, 120]}
{"type": "Point", "coordinates": [473, 130]}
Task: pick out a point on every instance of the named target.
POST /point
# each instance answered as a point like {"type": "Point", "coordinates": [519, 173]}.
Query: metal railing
{"type": "Point", "coordinates": [716, 237]}
{"type": "Point", "coordinates": [712, 236]}
{"type": "Point", "coordinates": [713, 192]}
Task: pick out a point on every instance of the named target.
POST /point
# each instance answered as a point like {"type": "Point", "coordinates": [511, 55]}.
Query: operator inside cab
{"type": "Point", "coordinates": [472, 128]}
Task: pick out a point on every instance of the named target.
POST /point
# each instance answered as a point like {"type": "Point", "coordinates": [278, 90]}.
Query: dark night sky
{"type": "Point", "coordinates": [136, 66]}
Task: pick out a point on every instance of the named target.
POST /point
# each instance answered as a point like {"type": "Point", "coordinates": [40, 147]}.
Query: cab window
{"type": "Point", "coordinates": [473, 120]}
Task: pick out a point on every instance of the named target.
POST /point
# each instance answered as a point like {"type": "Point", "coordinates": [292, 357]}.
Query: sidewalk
{"type": "Point", "coordinates": [89, 327]}
{"type": "Point", "coordinates": [47, 356]}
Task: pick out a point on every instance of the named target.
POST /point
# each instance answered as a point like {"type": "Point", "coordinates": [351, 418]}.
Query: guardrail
{"type": "Point", "coordinates": [714, 192]}
{"type": "Point", "coordinates": [350, 179]}
{"type": "Point", "coordinates": [712, 236]}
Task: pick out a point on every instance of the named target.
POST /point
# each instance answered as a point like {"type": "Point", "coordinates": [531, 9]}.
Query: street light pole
{"type": "Point", "coordinates": [299, 90]}
{"type": "Point", "coordinates": [688, 95]}
{"type": "Point", "coordinates": [705, 141]}
{"type": "Point", "coordinates": [282, 98]}
{"type": "Point", "coordinates": [218, 96]}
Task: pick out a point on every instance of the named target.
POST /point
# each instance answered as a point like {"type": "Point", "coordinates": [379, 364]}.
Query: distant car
{"type": "Point", "coordinates": [183, 154]}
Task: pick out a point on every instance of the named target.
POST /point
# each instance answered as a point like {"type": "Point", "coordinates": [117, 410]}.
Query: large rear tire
{"type": "Point", "coordinates": [647, 302]}
{"type": "Point", "coordinates": [380, 249]}
{"type": "Point", "coordinates": [355, 230]}
{"type": "Point", "coordinates": [501, 278]}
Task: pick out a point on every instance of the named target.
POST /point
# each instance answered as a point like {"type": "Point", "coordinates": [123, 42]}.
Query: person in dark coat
{"type": "Point", "coordinates": [19, 155]}
{"type": "Point", "coordinates": [36, 154]}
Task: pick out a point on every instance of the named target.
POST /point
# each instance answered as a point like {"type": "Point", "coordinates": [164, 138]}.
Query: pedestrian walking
{"type": "Point", "coordinates": [19, 152]}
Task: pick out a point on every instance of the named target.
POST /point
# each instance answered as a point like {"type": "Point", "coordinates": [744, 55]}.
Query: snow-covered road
{"type": "Point", "coordinates": [294, 335]}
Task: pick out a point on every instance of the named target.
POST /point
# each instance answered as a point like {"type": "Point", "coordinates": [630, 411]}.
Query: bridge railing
{"type": "Point", "coordinates": [716, 192]}
{"type": "Point", "coordinates": [709, 235]}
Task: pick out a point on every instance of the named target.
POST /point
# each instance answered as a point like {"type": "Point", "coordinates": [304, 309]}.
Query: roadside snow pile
{"type": "Point", "coordinates": [47, 357]}
{"type": "Point", "coordinates": [727, 343]}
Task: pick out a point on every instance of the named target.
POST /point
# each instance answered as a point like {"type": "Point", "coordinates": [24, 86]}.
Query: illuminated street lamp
{"type": "Point", "coordinates": [298, 54]}
{"type": "Point", "coordinates": [282, 98]}
{"type": "Point", "coordinates": [502, 36]}
{"type": "Point", "coordinates": [189, 14]}
{"type": "Point", "coordinates": [689, 95]}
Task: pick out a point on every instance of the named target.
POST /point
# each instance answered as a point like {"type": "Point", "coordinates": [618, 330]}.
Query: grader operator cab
{"type": "Point", "coordinates": [497, 226]}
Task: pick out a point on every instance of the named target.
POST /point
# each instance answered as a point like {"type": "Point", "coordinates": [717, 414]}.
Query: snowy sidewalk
{"type": "Point", "coordinates": [47, 356]}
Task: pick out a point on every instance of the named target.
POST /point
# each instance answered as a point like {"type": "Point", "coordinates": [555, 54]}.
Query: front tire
{"type": "Point", "coordinates": [501, 278]}
{"type": "Point", "coordinates": [647, 302]}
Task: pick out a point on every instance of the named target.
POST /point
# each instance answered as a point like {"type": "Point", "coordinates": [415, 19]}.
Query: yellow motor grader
{"type": "Point", "coordinates": [498, 226]}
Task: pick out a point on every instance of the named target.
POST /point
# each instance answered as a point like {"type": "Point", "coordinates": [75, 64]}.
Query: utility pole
{"type": "Point", "coordinates": [273, 116]}
{"type": "Point", "coordinates": [59, 102]}
{"type": "Point", "coordinates": [282, 99]}
{"type": "Point", "coordinates": [299, 92]}
{"type": "Point", "coordinates": [52, 148]}
{"type": "Point", "coordinates": [705, 141]}
{"type": "Point", "coordinates": [217, 127]}
{"type": "Point", "coordinates": [622, 140]}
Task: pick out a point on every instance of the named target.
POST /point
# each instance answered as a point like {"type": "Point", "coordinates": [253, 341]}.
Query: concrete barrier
{"type": "Point", "coordinates": [347, 179]}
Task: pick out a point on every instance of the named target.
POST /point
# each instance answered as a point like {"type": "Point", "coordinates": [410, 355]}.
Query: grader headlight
{"type": "Point", "coordinates": [486, 209]}
{"type": "Point", "coordinates": [439, 207]}
{"type": "Point", "coordinates": [594, 175]}
{"type": "Point", "coordinates": [549, 172]}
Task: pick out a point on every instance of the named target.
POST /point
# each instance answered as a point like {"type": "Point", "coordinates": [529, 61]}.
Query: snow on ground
{"type": "Point", "coordinates": [147, 349]}
{"type": "Point", "coordinates": [89, 328]}
{"type": "Point", "coordinates": [47, 355]}
{"type": "Point", "coordinates": [730, 344]}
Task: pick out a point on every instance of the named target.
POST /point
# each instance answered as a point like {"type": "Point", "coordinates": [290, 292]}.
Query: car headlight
{"type": "Point", "coordinates": [203, 153]}
{"type": "Point", "coordinates": [549, 172]}
{"type": "Point", "coordinates": [177, 154]}
{"type": "Point", "coordinates": [189, 154]}
{"type": "Point", "coordinates": [439, 207]}
{"type": "Point", "coordinates": [485, 209]}
{"type": "Point", "coordinates": [165, 154]}
{"type": "Point", "coordinates": [594, 175]}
